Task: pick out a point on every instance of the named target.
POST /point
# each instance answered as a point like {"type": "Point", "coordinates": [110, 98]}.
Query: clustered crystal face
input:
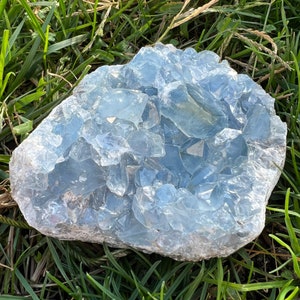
{"type": "Point", "coordinates": [173, 153]}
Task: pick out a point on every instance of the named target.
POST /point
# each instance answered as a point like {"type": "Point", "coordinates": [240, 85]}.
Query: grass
{"type": "Point", "coordinates": [48, 46]}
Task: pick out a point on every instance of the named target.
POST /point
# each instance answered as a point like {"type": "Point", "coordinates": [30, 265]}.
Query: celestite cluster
{"type": "Point", "coordinates": [173, 153]}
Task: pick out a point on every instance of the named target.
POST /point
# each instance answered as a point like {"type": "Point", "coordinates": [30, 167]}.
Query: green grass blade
{"type": "Point", "coordinates": [16, 34]}
{"type": "Point", "coordinates": [254, 286]}
{"type": "Point", "coordinates": [33, 55]}
{"type": "Point", "coordinates": [188, 294]}
{"type": "Point", "coordinates": [66, 43]}
{"type": "Point", "coordinates": [293, 294]}
{"type": "Point", "coordinates": [26, 66]}
{"type": "Point", "coordinates": [59, 283]}
{"type": "Point", "coordinates": [119, 268]}
{"type": "Point", "coordinates": [100, 287]}
{"type": "Point", "coordinates": [27, 99]}
{"type": "Point", "coordinates": [26, 285]}
{"type": "Point", "coordinates": [5, 82]}
{"type": "Point", "coordinates": [8, 297]}
{"type": "Point", "coordinates": [297, 112]}
{"type": "Point", "coordinates": [121, 10]}
{"type": "Point", "coordinates": [294, 257]}
{"type": "Point", "coordinates": [293, 238]}
{"type": "Point", "coordinates": [178, 281]}
{"type": "Point", "coordinates": [34, 20]}
{"type": "Point", "coordinates": [2, 7]}
{"type": "Point", "coordinates": [294, 160]}
{"type": "Point", "coordinates": [162, 291]}
{"type": "Point", "coordinates": [82, 280]}
{"type": "Point", "coordinates": [58, 263]}
{"type": "Point", "coordinates": [137, 286]}
{"type": "Point", "coordinates": [4, 158]}
{"type": "Point", "coordinates": [220, 279]}
{"type": "Point", "coordinates": [290, 289]}
{"type": "Point", "coordinates": [46, 45]}
{"type": "Point", "coordinates": [4, 47]}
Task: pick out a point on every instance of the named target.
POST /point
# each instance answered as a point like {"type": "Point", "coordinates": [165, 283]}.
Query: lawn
{"type": "Point", "coordinates": [46, 49]}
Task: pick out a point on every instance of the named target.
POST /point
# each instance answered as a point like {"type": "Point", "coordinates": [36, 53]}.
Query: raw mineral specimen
{"type": "Point", "coordinates": [173, 153]}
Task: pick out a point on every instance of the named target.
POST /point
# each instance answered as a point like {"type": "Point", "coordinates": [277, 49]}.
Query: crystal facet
{"type": "Point", "coordinates": [173, 153]}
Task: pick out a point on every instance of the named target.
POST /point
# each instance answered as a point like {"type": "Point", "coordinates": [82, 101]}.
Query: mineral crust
{"type": "Point", "coordinates": [173, 153]}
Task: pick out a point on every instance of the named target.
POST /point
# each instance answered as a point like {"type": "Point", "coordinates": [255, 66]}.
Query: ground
{"type": "Point", "coordinates": [46, 49]}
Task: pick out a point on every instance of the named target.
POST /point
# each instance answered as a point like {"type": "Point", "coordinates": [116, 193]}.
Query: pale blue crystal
{"type": "Point", "coordinates": [190, 111]}
{"type": "Point", "coordinates": [127, 105]}
{"type": "Point", "coordinates": [173, 153]}
{"type": "Point", "coordinates": [117, 180]}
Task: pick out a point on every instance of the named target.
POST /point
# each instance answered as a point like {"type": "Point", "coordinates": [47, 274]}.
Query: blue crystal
{"type": "Point", "coordinates": [190, 111]}
{"type": "Point", "coordinates": [173, 153]}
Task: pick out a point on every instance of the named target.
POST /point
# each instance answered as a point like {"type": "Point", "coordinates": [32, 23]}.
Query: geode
{"type": "Point", "coordinates": [173, 153]}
